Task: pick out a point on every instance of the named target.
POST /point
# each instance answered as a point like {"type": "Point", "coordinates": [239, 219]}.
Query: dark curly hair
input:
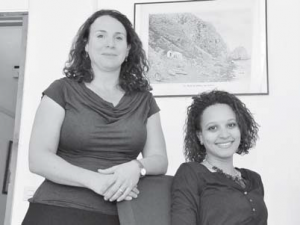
{"type": "Point", "coordinates": [196, 152]}
{"type": "Point", "coordinates": [133, 70]}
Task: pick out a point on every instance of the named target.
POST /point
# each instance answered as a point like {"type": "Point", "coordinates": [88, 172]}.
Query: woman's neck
{"type": "Point", "coordinates": [106, 80]}
{"type": "Point", "coordinates": [105, 83]}
{"type": "Point", "coordinates": [224, 164]}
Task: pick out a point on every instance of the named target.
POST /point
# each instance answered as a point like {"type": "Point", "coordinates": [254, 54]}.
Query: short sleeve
{"type": "Point", "coordinates": [185, 196]}
{"type": "Point", "coordinates": [153, 106]}
{"type": "Point", "coordinates": [56, 92]}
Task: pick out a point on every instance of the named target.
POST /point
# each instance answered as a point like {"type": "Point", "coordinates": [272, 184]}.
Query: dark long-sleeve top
{"type": "Point", "coordinates": [202, 197]}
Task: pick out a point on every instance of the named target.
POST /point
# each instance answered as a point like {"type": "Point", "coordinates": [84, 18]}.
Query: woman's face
{"type": "Point", "coordinates": [220, 133]}
{"type": "Point", "coordinates": [107, 45]}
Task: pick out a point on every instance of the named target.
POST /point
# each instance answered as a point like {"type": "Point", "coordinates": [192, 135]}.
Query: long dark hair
{"type": "Point", "coordinates": [196, 152]}
{"type": "Point", "coordinates": [133, 69]}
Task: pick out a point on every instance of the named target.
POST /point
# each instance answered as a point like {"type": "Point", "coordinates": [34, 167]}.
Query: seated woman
{"type": "Point", "coordinates": [209, 189]}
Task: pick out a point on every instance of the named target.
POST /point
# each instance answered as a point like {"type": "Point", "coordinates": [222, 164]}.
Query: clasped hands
{"type": "Point", "coordinates": [122, 182]}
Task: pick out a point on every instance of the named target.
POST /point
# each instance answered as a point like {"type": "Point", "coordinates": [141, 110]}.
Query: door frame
{"type": "Point", "coordinates": [15, 19]}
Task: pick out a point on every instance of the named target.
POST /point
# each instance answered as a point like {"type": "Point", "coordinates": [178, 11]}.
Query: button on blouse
{"type": "Point", "coordinates": [201, 197]}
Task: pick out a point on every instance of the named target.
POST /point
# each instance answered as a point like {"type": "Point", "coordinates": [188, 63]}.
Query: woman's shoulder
{"type": "Point", "coordinates": [191, 174]}
{"type": "Point", "coordinates": [194, 167]}
{"type": "Point", "coordinates": [142, 94]}
{"type": "Point", "coordinates": [250, 173]}
{"type": "Point", "coordinates": [61, 86]}
{"type": "Point", "coordinates": [60, 82]}
{"type": "Point", "coordinates": [66, 81]}
{"type": "Point", "coordinates": [141, 97]}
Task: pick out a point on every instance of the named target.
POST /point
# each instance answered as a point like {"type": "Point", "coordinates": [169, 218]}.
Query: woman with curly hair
{"type": "Point", "coordinates": [209, 189]}
{"type": "Point", "coordinates": [91, 126]}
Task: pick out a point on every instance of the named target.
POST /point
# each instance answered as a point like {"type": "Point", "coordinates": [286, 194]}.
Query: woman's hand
{"type": "Point", "coordinates": [125, 177]}
{"type": "Point", "coordinates": [100, 183]}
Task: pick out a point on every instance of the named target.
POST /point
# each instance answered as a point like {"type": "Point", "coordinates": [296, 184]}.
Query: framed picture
{"type": "Point", "coordinates": [7, 171]}
{"type": "Point", "coordinates": [195, 46]}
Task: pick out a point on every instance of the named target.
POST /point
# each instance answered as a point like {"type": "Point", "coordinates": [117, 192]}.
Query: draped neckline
{"type": "Point", "coordinates": [94, 95]}
{"type": "Point", "coordinates": [130, 102]}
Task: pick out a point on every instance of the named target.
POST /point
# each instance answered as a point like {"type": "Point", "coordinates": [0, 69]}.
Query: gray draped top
{"type": "Point", "coordinates": [95, 134]}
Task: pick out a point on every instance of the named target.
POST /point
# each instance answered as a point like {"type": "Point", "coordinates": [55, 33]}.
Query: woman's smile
{"type": "Point", "coordinates": [220, 133]}
{"type": "Point", "coordinates": [224, 144]}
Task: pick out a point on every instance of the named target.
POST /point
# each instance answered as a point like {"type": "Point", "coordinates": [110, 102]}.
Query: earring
{"type": "Point", "coordinates": [86, 55]}
{"type": "Point", "coordinates": [200, 139]}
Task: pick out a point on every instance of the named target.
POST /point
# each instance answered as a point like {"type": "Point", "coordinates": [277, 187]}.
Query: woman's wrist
{"type": "Point", "coordinates": [90, 180]}
{"type": "Point", "coordinates": [155, 164]}
{"type": "Point", "coordinates": [86, 179]}
{"type": "Point", "coordinates": [142, 169]}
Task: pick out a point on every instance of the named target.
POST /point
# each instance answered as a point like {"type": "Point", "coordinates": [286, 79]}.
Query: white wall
{"type": "Point", "coordinates": [10, 41]}
{"type": "Point", "coordinates": [14, 5]}
{"type": "Point", "coordinates": [52, 25]}
{"type": "Point", "coordinates": [51, 28]}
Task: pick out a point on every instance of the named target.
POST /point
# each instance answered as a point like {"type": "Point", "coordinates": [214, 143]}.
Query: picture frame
{"type": "Point", "coordinates": [196, 46]}
{"type": "Point", "coordinates": [7, 170]}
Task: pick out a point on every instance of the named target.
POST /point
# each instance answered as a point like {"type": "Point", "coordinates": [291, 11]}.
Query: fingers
{"type": "Point", "coordinates": [127, 176]}
{"type": "Point", "coordinates": [116, 191]}
{"type": "Point", "coordinates": [125, 194]}
{"type": "Point", "coordinates": [130, 196]}
{"type": "Point", "coordinates": [113, 192]}
{"type": "Point", "coordinates": [135, 190]}
{"type": "Point", "coordinates": [121, 193]}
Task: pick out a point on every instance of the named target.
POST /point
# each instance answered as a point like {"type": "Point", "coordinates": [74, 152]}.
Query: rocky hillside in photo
{"type": "Point", "coordinates": [199, 48]}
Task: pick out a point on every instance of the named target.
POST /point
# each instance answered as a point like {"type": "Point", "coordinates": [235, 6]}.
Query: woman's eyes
{"type": "Point", "coordinates": [215, 127]}
{"type": "Point", "coordinates": [119, 38]}
{"type": "Point", "coordinates": [212, 128]}
{"type": "Point", "coordinates": [232, 125]}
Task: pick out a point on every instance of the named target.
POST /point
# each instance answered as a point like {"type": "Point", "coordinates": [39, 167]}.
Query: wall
{"type": "Point", "coordinates": [50, 34]}
{"type": "Point", "coordinates": [14, 5]}
{"type": "Point", "coordinates": [276, 156]}
{"type": "Point", "coordinates": [10, 41]}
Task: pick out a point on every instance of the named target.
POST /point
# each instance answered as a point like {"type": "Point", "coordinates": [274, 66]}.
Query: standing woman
{"type": "Point", "coordinates": [209, 189]}
{"type": "Point", "coordinates": [91, 126]}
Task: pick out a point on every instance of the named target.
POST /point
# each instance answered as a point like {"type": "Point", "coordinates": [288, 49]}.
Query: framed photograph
{"type": "Point", "coordinates": [196, 46]}
{"type": "Point", "coordinates": [7, 171]}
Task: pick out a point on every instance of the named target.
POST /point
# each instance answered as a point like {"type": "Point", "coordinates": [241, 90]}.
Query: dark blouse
{"type": "Point", "coordinates": [95, 135]}
{"type": "Point", "coordinates": [202, 197]}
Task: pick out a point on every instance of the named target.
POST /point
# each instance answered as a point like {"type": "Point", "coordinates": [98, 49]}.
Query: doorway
{"type": "Point", "coordinates": [13, 37]}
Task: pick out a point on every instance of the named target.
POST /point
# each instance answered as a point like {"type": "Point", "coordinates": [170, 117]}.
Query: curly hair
{"type": "Point", "coordinates": [196, 152]}
{"type": "Point", "coordinates": [133, 69]}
